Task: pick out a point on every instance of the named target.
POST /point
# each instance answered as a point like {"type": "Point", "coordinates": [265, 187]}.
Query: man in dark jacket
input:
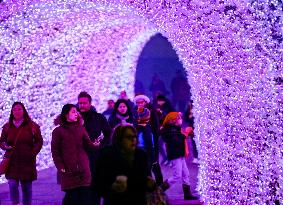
{"type": "Point", "coordinates": [95, 124]}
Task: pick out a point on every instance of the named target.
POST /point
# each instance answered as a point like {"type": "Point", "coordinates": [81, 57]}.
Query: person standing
{"type": "Point", "coordinates": [96, 125]}
{"type": "Point", "coordinates": [189, 119]}
{"type": "Point", "coordinates": [69, 146]}
{"type": "Point", "coordinates": [146, 123]}
{"type": "Point", "coordinates": [180, 89]}
{"type": "Point", "coordinates": [177, 151]}
{"type": "Point", "coordinates": [163, 107]}
{"type": "Point", "coordinates": [109, 109]}
{"type": "Point", "coordinates": [22, 140]}
{"type": "Point", "coordinates": [123, 95]}
{"type": "Point", "coordinates": [157, 86]}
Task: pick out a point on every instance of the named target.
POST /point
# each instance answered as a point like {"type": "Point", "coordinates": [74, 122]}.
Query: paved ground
{"type": "Point", "coordinates": [47, 192]}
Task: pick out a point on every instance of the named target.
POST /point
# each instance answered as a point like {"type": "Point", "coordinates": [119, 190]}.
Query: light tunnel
{"type": "Point", "coordinates": [232, 52]}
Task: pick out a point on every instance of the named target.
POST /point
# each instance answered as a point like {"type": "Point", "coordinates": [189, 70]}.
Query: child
{"type": "Point", "coordinates": [177, 150]}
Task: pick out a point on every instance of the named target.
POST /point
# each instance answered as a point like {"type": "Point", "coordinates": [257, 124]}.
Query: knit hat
{"type": "Point", "coordinates": [141, 97]}
{"type": "Point", "coordinates": [143, 116]}
{"type": "Point", "coordinates": [171, 116]}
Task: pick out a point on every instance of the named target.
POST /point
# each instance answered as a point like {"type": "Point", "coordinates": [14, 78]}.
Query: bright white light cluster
{"type": "Point", "coordinates": [231, 50]}
{"type": "Point", "coordinates": [52, 51]}
{"type": "Point", "coordinates": [231, 59]}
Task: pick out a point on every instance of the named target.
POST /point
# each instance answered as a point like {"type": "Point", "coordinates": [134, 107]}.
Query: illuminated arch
{"type": "Point", "coordinates": [230, 58]}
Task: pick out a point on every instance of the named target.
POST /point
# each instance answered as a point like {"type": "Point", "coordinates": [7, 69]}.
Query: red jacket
{"type": "Point", "coordinates": [69, 146]}
{"type": "Point", "coordinates": [23, 160]}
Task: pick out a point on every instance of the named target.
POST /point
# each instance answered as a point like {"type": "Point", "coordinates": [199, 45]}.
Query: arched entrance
{"type": "Point", "coordinates": [157, 68]}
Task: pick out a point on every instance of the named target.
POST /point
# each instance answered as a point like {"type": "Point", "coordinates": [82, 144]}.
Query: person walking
{"type": "Point", "coordinates": [69, 145]}
{"type": "Point", "coordinates": [96, 126]}
{"type": "Point", "coordinates": [146, 123]}
{"type": "Point", "coordinates": [122, 173]}
{"type": "Point", "coordinates": [177, 151]}
{"type": "Point", "coordinates": [163, 107]}
{"type": "Point", "coordinates": [21, 139]}
{"type": "Point", "coordinates": [180, 90]}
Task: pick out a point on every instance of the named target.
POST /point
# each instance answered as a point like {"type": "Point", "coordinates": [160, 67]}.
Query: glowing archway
{"type": "Point", "coordinates": [230, 50]}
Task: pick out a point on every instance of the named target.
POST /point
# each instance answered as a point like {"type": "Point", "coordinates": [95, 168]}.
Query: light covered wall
{"type": "Point", "coordinates": [50, 53]}
{"type": "Point", "coordinates": [232, 51]}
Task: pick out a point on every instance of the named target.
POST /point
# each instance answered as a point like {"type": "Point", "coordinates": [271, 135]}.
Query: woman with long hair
{"type": "Point", "coordinates": [122, 113]}
{"type": "Point", "coordinates": [22, 140]}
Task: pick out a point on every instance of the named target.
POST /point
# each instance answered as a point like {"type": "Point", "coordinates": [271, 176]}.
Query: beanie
{"type": "Point", "coordinates": [141, 97]}
{"type": "Point", "coordinates": [171, 116]}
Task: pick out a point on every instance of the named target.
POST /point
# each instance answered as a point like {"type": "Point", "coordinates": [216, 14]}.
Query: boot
{"type": "Point", "coordinates": [187, 193]}
{"type": "Point", "coordinates": [165, 185]}
{"type": "Point", "coordinates": [157, 173]}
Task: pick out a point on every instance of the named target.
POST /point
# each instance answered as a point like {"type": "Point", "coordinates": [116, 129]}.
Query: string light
{"type": "Point", "coordinates": [232, 52]}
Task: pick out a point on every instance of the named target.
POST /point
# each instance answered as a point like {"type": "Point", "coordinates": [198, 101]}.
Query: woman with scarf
{"type": "Point", "coordinates": [121, 114]}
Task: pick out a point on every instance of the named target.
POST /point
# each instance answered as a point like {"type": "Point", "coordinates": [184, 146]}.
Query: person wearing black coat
{"type": "Point", "coordinates": [122, 173]}
{"type": "Point", "coordinates": [163, 107]}
{"type": "Point", "coordinates": [177, 151]}
{"type": "Point", "coordinates": [96, 125]}
{"type": "Point", "coordinates": [122, 113]}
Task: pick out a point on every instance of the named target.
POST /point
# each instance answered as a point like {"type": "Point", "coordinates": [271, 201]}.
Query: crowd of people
{"type": "Point", "coordinates": [111, 155]}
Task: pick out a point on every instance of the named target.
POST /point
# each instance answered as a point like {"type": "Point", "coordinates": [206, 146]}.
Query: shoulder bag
{"type": "Point", "coordinates": [4, 164]}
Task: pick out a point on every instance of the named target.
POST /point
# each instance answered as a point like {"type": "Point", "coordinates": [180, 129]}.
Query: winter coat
{"type": "Point", "coordinates": [175, 141]}
{"type": "Point", "coordinates": [111, 164]}
{"type": "Point", "coordinates": [23, 159]}
{"type": "Point", "coordinates": [69, 146]}
{"type": "Point", "coordinates": [95, 124]}
{"type": "Point", "coordinates": [107, 113]}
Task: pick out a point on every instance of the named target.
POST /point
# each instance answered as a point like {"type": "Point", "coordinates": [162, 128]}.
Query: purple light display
{"type": "Point", "coordinates": [231, 50]}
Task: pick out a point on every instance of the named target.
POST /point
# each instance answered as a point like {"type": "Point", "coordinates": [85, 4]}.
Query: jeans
{"type": "Point", "coordinates": [26, 191]}
{"type": "Point", "coordinates": [180, 171]}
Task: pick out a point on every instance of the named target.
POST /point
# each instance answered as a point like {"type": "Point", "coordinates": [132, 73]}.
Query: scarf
{"type": "Point", "coordinates": [123, 118]}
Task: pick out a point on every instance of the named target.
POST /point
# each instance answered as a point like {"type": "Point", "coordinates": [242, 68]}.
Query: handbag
{"type": "Point", "coordinates": [4, 164]}
{"type": "Point", "coordinates": [157, 197]}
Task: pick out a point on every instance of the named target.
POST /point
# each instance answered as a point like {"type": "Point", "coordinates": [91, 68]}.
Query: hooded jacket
{"type": "Point", "coordinates": [69, 146]}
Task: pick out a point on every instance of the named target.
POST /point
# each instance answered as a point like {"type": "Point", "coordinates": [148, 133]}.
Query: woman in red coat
{"type": "Point", "coordinates": [69, 146]}
{"type": "Point", "coordinates": [22, 140]}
